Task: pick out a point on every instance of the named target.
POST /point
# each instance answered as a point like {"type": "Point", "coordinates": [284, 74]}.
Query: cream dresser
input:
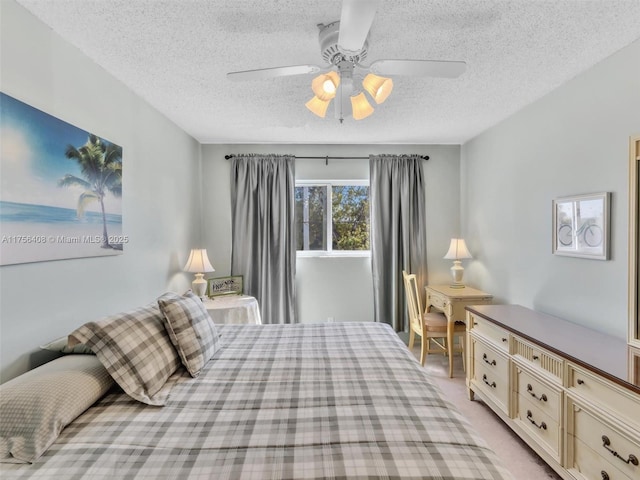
{"type": "Point", "coordinates": [563, 388]}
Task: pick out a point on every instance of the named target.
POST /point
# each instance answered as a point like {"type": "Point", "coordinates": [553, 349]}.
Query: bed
{"type": "Point", "coordinates": [310, 401]}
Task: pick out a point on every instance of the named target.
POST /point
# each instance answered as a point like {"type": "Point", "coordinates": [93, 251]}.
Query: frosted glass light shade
{"type": "Point", "coordinates": [317, 106]}
{"type": "Point", "coordinates": [360, 106]}
{"type": "Point", "coordinates": [457, 250]}
{"type": "Point", "coordinates": [198, 263]}
{"type": "Point", "coordinates": [325, 86]}
{"type": "Point", "coordinates": [378, 87]}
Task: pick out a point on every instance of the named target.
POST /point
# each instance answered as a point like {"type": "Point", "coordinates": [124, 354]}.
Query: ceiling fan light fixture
{"type": "Point", "coordinates": [360, 106]}
{"type": "Point", "coordinates": [325, 86]}
{"type": "Point", "coordinates": [318, 106]}
{"type": "Point", "coordinates": [378, 87]}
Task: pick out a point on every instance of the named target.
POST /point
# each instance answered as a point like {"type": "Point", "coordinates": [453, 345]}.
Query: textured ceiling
{"type": "Point", "coordinates": [175, 54]}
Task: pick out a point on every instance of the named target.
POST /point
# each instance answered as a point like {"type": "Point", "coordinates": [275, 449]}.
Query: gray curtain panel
{"type": "Point", "coordinates": [398, 233]}
{"type": "Point", "coordinates": [263, 232]}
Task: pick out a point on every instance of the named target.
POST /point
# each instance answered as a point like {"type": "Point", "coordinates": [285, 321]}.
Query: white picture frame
{"type": "Point", "coordinates": [581, 226]}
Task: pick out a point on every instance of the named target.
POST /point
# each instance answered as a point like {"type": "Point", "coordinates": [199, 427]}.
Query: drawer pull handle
{"type": "Point", "coordinates": [536, 357]}
{"type": "Point", "coordinates": [606, 442]}
{"type": "Point", "coordinates": [542, 398]}
{"type": "Point", "coordinates": [492, 362]}
{"type": "Point", "coordinates": [580, 381]}
{"type": "Point", "coordinates": [605, 475]}
{"type": "Point", "coordinates": [504, 339]}
{"type": "Point", "coordinates": [542, 425]}
{"type": "Point", "coordinates": [492, 384]}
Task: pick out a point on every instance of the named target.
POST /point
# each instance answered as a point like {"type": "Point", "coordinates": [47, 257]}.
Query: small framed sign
{"type": "Point", "coordinates": [224, 286]}
{"type": "Point", "coordinates": [581, 226]}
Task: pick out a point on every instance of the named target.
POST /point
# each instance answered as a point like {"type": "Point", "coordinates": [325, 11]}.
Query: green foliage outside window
{"type": "Point", "coordinates": [348, 215]}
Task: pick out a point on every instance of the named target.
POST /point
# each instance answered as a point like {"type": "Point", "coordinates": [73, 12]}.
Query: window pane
{"type": "Point", "coordinates": [311, 218]}
{"type": "Point", "coordinates": [350, 217]}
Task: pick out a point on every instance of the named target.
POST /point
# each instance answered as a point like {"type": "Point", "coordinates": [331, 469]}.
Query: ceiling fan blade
{"type": "Point", "coordinates": [427, 68]}
{"type": "Point", "coordinates": [355, 23]}
{"type": "Point", "coordinates": [262, 73]}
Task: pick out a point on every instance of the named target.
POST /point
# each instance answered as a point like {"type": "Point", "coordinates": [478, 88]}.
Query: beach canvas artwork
{"type": "Point", "coordinates": [60, 190]}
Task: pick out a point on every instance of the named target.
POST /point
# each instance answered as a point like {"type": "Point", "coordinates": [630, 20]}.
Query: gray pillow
{"type": "Point", "coordinates": [61, 345]}
{"type": "Point", "coordinates": [135, 349]}
{"type": "Point", "coordinates": [190, 328]}
{"type": "Point", "coordinates": [36, 406]}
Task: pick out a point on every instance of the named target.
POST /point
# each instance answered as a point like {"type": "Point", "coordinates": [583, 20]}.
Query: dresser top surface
{"type": "Point", "coordinates": [592, 349]}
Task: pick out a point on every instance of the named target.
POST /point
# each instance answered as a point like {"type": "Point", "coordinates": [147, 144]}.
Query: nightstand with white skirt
{"type": "Point", "coordinates": [238, 309]}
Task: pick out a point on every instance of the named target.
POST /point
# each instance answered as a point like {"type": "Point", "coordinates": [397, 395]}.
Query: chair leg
{"type": "Point", "coordinates": [424, 349]}
{"type": "Point", "coordinates": [412, 337]}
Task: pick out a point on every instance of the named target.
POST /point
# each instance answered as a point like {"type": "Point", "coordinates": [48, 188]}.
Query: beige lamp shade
{"type": "Point", "coordinates": [325, 86]}
{"type": "Point", "coordinates": [457, 250]}
{"type": "Point", "coordinates": [317, 106]}
{"type": "Point", "coordinates": [199, 263]}
{"type": "Point", "coordinates": [378, 87]}
{"type": "Point", "coordinates": [360, 106]}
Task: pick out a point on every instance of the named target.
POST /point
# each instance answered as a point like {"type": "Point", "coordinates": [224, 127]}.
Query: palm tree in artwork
{"type": "Point", "coordinates": [101, 166]}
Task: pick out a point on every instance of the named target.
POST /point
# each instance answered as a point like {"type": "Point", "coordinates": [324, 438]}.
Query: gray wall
{"type": "Point", "coordinates": [336, 287]}
{"type": "Point", "coordinates": [574, 140]}
{"type": "Point", "coordinates": [498, 188]}
{"type": "Point", "coordinates": [161, 204]}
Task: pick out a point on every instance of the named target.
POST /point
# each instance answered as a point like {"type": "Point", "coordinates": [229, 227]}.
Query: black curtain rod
{"type": "Point", "coordinates": [327, 158]}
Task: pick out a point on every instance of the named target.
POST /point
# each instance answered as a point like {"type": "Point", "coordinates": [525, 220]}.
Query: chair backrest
{"type": "Point", "coordinates": [413, 301]}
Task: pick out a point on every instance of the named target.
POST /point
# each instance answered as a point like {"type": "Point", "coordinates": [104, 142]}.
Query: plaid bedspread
{"type": "Point", "coordinates": [331, 401]}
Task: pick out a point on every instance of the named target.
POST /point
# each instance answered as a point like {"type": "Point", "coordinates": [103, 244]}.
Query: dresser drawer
{"type": "Point", "coordinates": [489, 330]}
{"type": "Point", "coordinates": [607, 441]}
{"type": "Point", "coordinates": [546, 397]}
{"type": "Point", "coordinates": [539, 358]}
{"type": "Point", "coordinates": [491, 373]}
{"type": "Point", "coordinates": [605, 393]}
{"type": "Point", "coordinates": [588, 465]}
{"type": "Point", "coordinates": [491, 359]}
{"type": "Point", "coordinates": [541, 426]}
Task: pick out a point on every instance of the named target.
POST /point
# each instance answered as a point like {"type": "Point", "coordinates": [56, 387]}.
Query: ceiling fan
{"type": "Point", "coordinates": [344, 45]}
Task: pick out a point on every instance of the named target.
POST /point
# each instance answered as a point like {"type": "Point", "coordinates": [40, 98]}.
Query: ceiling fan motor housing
{"type": "Point", "coordinates": [331, 52]}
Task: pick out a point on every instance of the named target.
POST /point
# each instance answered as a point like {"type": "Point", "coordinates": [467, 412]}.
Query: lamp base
{"type": "Point", "coordinates": [457, 271]}
{"type": "Point", "coordinates": [199, 285]}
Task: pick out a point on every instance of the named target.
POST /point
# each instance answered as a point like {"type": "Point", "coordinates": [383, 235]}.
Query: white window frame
{"type": "Point", "coordinates": [329, 208]}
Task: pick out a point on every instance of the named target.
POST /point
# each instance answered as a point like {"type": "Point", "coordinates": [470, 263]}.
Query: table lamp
{"type": "Point", "coordinates": [457, 250]}
{"type": "Point", "coordinates": [198, 263]}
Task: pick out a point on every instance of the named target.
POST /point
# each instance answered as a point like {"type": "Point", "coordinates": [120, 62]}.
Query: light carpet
{"type": "Point", "coordinates": [516, 455]}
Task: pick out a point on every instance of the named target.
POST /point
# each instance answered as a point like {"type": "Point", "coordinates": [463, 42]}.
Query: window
{"type": "Point", "coordinates": [332, 217]}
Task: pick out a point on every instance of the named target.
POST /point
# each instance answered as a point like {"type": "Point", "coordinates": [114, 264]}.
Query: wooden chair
{"type": "Point", "coordinates": [430, 326]}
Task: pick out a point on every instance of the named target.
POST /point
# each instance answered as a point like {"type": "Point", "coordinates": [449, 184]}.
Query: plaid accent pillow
{"type": "Point", "coordinates": [136, 351]}
{"type": "Point", "coordinates": [36, 406]}
{"type": "Point", "coordinates": [190, 328]}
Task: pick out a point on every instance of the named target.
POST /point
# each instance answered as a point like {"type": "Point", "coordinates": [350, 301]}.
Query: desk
{"type": "Point", "coordinates": [233, 309]}
{"type": "Point", "coordinates": [452, 302]}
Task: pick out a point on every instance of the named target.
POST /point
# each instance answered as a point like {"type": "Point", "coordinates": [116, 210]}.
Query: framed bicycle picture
{"type": "Point", "coordinates": [581, 226]}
